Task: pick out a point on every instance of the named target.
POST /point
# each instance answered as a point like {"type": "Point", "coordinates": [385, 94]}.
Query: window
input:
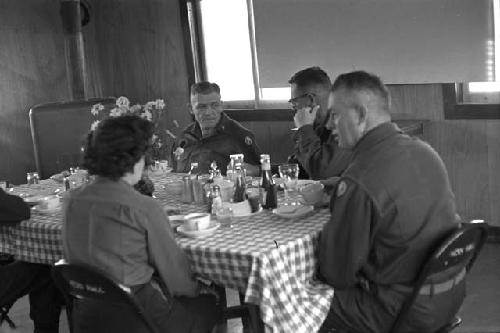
{"type": "Point", "coordinates": [228, 53]}
{"type": "Point", "coordinates": [488, 92]}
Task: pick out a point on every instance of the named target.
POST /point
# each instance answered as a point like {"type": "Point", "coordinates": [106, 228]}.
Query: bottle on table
{"type": "Point", "coordinates": [239, 185]}
{"type": "Point", "coordinates": [215, 202]}
{"type": "Point", "coordinates": [267, 186]}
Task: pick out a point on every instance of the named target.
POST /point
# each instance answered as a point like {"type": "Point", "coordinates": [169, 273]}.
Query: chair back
{"type": "Point", "coordinates": [58, 131]}
{"type": "Point", "coordinates": [97, 303]}
{"type": "Point", "coordinates": [458, 250]}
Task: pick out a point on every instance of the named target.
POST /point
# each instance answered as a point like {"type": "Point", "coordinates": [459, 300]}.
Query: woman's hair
{"type": "Point", "coordinates": [116, 145]}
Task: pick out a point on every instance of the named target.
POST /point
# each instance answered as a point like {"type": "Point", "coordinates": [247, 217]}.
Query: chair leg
{"type": "Point", "coordinates": [255, 319]}
{"type": "Point", "coordinates": [5, 317]}
{"type": "Point", "coordinates": [222, 303]}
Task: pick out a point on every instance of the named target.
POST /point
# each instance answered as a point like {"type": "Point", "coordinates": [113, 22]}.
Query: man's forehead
{"type": "Point", "coordinates": [205, 98]}
{"type": "Point", "coordinates": [297, 91]}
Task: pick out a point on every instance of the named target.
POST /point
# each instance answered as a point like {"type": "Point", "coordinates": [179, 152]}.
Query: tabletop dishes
{"type": "Point", "coordinates": [198, 233]}
{"type": "Point", "coordinates": [293, 211]}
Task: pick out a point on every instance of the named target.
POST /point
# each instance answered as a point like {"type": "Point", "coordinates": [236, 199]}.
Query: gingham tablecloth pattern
{"type": "Point", "coordinates": [269, 259]}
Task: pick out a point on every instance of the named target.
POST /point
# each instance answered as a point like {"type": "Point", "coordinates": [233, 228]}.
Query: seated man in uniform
{"type": "Point", "coordinates": [213, 136]}
{"type": "Point", "coordinates": [316, 149]}
{"type": "Point", "coordinates": [20, 278]}
{"type": "Point", "coordinates": [390, 208]}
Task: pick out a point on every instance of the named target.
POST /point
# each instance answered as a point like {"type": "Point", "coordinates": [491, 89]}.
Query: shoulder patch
{"type": "Point", "coordinates": [341, 188]}
{"type": "Point", "coordinates": [248, 140]}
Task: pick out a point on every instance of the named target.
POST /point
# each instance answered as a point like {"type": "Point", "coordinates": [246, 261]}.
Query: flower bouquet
{"type": "Point", "coordinates": [153, 112]}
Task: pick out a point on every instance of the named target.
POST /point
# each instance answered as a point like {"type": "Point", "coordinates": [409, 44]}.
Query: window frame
{"type": "Point", "coordinates": [454, 108]}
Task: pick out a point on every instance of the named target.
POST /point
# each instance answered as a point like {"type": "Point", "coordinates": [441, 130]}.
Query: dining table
{"type": "Point", "coordinates": [268, 258]}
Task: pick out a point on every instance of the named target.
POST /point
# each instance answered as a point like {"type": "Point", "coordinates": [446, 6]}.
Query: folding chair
{"type": "Point", "coordinates": [58, 131]}
{"type": "Point", "coordinates": [249, 313]}
{"type": "Point", "coordinates": [110, 305]}
{"type": "Point", "coordinates": [6, 259]}
{"type": "Point", "coordinates": [459, 250]}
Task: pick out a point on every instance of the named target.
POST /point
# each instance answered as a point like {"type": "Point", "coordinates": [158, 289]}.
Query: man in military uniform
{"type": "Point", "coordinates": [316, 149]}
{"type": "Point", "coordinates": [389, 211]}
{"type": "Point", "coordinates": [213, 136]}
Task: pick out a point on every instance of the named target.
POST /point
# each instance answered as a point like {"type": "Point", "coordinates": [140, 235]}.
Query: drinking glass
{"type": "Point", "coordinates": [290, 174]}
{"type": "Point", "coordinates": [225, 216]}
{"type": "Point", "coordinates": [32, 178]}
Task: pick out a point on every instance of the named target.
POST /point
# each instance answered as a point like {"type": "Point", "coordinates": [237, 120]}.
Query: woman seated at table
{"type": "Point", "coordinates": [112, 227]}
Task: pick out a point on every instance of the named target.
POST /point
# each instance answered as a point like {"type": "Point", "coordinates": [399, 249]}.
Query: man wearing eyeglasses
{"type": "Point", "coordinates": [213, 136]}
{"type": "Point", "coordinates": [316, 149]}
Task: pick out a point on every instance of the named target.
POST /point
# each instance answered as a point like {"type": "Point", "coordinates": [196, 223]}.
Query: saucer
{"type": "Point", "coordinates": [293, 211]}
{"type": "Point", "coordinates": [198, 233]}
{"type": "Point", "coordinates": [40, 210]}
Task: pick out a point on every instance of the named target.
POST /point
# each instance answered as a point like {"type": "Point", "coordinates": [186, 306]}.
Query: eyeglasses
{"type": "Point", "coordinates": [295, 101]}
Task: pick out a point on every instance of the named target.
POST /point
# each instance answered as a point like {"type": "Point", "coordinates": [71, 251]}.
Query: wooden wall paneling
{"type": "Point", "coordinates": [136, 49]}
{"type": "Point", "coordinates": [274, 138]}
{"type": "Point", "coordinates": [32, 71]}
{"type": "Point", "coordinates": [463, 146]}
{"type": "Point", "coordinates": [493, 133]}
{"type": "Point", "coordinates": [421, 101]}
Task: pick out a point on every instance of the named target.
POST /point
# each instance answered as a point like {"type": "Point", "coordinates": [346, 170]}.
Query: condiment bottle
{"type": "Point", "coordinates": [239, 185]}
{"type": "Point", "coordinates": [216, 199]}
{"type": "Point", "coordinates": [268, 189]}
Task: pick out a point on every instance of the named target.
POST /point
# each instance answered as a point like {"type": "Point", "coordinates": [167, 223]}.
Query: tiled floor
{"type": "Point", "coordinates": [480, 312]}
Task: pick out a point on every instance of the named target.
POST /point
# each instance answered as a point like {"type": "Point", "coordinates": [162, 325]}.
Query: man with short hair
{"type": "Point", "coordinates": [213, 135]}
{"type": "Point", "coordinates": [391, 207]}
{"type": "Point", "coordinates": [316, 148]}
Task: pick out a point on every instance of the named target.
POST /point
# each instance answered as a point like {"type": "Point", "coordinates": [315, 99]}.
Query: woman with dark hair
{"type": "Point", "coordinates": [112, 227]}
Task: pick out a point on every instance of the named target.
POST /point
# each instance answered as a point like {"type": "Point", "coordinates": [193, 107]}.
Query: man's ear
{"type": "Point", "coordinates": [362, 113]}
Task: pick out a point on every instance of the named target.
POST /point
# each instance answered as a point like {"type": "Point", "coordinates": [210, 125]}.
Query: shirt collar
{"type": "Point", "coordinates": [376, 135]}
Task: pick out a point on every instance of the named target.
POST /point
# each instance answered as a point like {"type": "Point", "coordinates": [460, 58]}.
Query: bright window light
{"type": "Point", "coordinates": [493, 63]}
{"type": "Point", "coordinates": [276, 94]}
{"type": "Point", "coordinates": [227, 47]}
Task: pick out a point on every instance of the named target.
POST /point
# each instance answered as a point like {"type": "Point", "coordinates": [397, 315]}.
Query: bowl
{"type": "Point", "coordinates": [196, 221]}
{"type": "Point", "coordinates": [312, 193]}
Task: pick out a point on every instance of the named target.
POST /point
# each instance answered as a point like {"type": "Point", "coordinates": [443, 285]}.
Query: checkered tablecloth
{"type": "Point", "coordinates": [269, 259]}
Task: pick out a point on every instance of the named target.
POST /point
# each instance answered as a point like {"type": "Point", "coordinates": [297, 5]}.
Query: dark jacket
{"type": "Point", "coordinates": [390, 208]}
{"type": "Point", "coordinates": [230, 138]}
{"type": "Point", "coordinates": [318, 152]}
{"type": "Point", "coordinates": [13, 209]}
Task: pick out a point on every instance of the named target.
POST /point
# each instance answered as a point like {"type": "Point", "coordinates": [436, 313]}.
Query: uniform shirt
{"type": "Point", "coordinates": [319, 154]}
{"type": "Point", "coordinates": [12, 208]}
{"type": "Point", "coordinates": [391, 206]}
{"type": "Point", "coordinates": [230, 138]}
{"type": "Point", "coordinates": [111, 226]}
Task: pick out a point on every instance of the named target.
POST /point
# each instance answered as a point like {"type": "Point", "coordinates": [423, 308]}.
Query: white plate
{"type": "Point", "coordinates": [198, 233]}
{"type": "Point", "coordinates": [40, 210]}
{"type": "Point", "coordinates": [293, 211]}
{"type": "Point", "coordinates": [34, 199]}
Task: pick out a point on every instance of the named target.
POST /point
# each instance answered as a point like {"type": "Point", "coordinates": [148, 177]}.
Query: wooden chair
{"type": "Point", "coordinates": [249, 313]}
{"type": "Point", "coordinates": [111, 305]}
{"type": "Point", "coordinates": [460, 249]}
{"type": "Point", "coordinates": [6, 259]}
{"type": "Point", "coordinates": [58, 131]}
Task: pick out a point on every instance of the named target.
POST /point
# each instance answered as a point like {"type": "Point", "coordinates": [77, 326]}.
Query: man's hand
{"type": "Point", "coordinates": [305, 116]}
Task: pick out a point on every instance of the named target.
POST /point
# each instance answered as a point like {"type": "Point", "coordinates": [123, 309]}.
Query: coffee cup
{"type": "Point", "coordinates": [196, 221]}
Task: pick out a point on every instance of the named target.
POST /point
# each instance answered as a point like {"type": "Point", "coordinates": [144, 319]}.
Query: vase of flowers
{"type": "Point", "coordinates": [151, 111]}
